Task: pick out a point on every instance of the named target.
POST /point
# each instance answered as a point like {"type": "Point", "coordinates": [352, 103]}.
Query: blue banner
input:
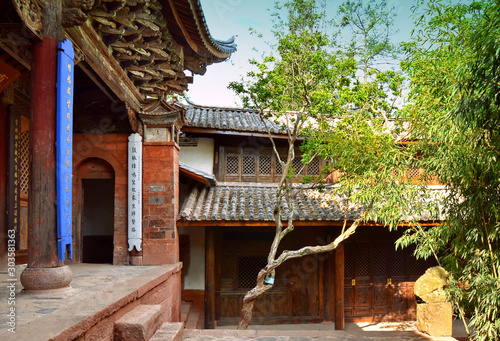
{"type": "Point", "coordinates": [64, 149]}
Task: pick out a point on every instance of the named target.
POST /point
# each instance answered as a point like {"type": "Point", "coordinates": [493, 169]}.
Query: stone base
{"type": "Point", "coordinates": [435, 319]}
{"type": "Point", "coordinates": [46, 278]}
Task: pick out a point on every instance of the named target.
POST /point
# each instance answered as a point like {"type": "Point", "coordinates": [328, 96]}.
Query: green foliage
{"type": "Point", "coordinates": [371, 26]}
{"type": "Point", "coordinates": [453, 68]}
{"type": "Point", "coordinates": [311, 87]}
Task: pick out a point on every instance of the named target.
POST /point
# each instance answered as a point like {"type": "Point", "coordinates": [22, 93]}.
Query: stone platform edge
{"type": "Point", "coordinates": [103, 307]}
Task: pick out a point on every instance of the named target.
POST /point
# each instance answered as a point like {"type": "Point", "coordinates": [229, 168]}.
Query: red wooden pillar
{"type": "Point", "coordinates": [339, 288]}
{"type": "Point", "coordinates": [44, 270]}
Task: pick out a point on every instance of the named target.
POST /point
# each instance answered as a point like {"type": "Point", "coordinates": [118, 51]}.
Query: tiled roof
{"type": "Point", "coordinates": [210, 178]}
{"type": "Point", "coordinates": [228, 119]}
{"type": "Point", "coordinates": [229, 201]}
{"type": "Point", "coordinates": [252, 202]}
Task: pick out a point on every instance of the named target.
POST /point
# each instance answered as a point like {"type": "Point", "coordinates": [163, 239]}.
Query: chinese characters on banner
{"type": "Point", "coordinates": [134, 192]}
{"type": "Point", "coordinates": [64, 148]}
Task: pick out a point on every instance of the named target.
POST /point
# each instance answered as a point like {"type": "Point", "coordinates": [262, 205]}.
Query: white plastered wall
{"type": "Point", "coordinates": [200, 157]}
{"type": "Point", "coordinates": [195, 273]}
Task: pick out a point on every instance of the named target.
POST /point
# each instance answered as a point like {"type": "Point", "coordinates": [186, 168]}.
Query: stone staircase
{"type": "Point", "coordinates": [143, 323]}
{"type": "Point", "coordinates": [191, 318]}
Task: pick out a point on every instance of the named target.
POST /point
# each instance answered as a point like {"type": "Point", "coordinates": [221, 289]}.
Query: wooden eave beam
{"type": "Point", "coordinates": [182, 27]}
{"type": "Point", "coordinates": [198, 130]}
{"type": "Point", "coordinates": [194, 176]}
{"type": "Point", "coordinates": [105, 65]}
{"type": "Point", "coordinates": [316, 223]}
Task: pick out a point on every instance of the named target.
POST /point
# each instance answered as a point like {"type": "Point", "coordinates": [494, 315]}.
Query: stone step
{"type": "Point", "coordinates": [192, 320]}
{"type": "Point", "coordinates": [169, 331]}
{"type": "Point", "coordinates": [139, 324]}
{"type": "Point", "coordinates": [185, 310]}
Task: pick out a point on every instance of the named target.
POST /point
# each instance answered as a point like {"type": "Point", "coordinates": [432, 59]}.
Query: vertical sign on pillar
{"type": "Point", "coordinates": [14, 189]}
{"type": "Point", "coordinates": [134, 192]}
{"type": "Point", "coordinates": [64, 148]}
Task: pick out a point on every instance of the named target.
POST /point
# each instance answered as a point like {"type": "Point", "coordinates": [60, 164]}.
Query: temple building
{"type": "Point", "coordinates": [88, 151]}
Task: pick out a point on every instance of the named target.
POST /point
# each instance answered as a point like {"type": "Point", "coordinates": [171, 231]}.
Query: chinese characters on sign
{"type": "Point", "coordinates": [14, 202]}
{"type": "Point", "coordinates": [134, 192]}
{"type": "Point", "coordinates": [64, 150]}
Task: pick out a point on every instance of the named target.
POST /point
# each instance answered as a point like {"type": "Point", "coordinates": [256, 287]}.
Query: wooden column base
{"type": "Point", "coordinates": [46, 278]}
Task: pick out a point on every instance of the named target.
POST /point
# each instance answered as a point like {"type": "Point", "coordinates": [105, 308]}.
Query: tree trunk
{"type": "Point", "coordinates": [250, 298]}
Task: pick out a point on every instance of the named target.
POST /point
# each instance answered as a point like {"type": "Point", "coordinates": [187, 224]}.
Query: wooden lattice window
{"type": "Point", "coordinates": [313, 167]}
{"type": "Point", "coordinates": [265, 164]}
{"type": "Point", "coordinates": [25, 162]}
{"type": "Point", "coordinates": [249, 165]}
{"type": "Point", "coordinates": [399, 262]}
{"type": "Point", "coordinates": [363, 259]}
{"type": "Point", "coordinates": [232, 164]}
{"type": "Point", "coordinates": [259, 165]}
{"type": "Point", "coordinates": [248, 269]}
{"type": "Point", "coordinates": [298, 165]}
{"type": "Point", "coordinates": [279, 169]}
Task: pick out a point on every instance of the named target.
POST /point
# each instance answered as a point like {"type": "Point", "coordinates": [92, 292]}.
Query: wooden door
{"type": "Point", "coordinates": [379, 279]}
{"type": "Point", "coordinates": [297, 295]}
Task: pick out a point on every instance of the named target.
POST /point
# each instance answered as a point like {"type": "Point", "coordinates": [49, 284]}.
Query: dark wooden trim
{"type": "Point", "coordinates": [339, 288]}
{"type": "Point", "coordinates": [210, 278]}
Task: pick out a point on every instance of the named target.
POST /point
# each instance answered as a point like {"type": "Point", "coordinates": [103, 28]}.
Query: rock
{"type": "Point", "coordinates": [435, 319]}
{"type": "Point", "coordinates": [430, 286]}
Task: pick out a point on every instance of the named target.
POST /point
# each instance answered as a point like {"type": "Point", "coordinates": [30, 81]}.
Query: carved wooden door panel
{"type": "Point", "coordinates": [305, 287]}
{"type": "Point", "coordinates": [297, 295]}
{"type": "Point", "coordinates": [368, 293]}
{"type": "Point", "coordinates": [379, 280]}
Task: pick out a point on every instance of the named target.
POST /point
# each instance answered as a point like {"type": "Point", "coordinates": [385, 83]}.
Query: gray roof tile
{"type": "Point", "coordinates": [231, 119]}
{"type": "Point", "coordinates": [255, 202]}
{"type": "Point", "coordinates": [229, 201]}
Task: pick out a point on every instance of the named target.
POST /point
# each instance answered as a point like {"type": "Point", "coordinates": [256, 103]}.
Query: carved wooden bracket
{"type": "Point", "coordinates": [73, 13]}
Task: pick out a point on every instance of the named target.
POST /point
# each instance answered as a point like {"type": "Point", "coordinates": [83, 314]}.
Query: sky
{"type": "Point", "coordinates": [226, 18]}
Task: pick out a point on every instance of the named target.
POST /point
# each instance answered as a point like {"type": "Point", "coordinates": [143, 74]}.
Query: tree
{"type": "Point", "coordinates": [306, 85]}
{"type": "Point", "coordinates": [371, 28]}
{"type": "Point", "coordinates": [453, 65]}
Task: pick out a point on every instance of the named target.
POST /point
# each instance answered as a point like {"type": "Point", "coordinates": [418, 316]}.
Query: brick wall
{"type": "Point", "coordinates": [112, 148]}
{"type": "Point", "coordinates": [160, 203]}
{"type": "Point", "coordinates": [160, 194]}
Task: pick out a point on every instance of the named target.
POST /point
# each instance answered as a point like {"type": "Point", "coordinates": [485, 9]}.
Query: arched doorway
{"type": "Point", "coordinates": [95, 230]}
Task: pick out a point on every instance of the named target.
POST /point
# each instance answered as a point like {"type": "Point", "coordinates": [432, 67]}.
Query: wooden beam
{"type": "Point", "coordinates": [311, 223]}
{"type": "Point", "coordinates": [210, 278]}
{"type": "Point", "coordinates": [105, 65]}
{"type": "Point", "coordinates": [96, 81]}
{"type": "Point", "coordinates": [194, 176]}
{"type": "Point", "coordinates": [24, 60]}
{"type": "Point", "coordinates": [339, 288]}
{"type": "Point", "coordinates": [197, 130]}
{"type": "Point", "coordinates": [184, 30]}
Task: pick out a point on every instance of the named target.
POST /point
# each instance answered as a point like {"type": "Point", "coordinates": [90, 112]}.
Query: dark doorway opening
{"type": "Point", "coordinates": [98, 220]}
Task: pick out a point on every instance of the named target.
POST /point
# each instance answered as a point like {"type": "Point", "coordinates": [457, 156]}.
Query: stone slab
{"type": "Point", "coordinates": [139, 324]}
{"type": "Point", "coordinates": [435, 319]}
{"type": "Point", "coordinates": [169, 331]}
